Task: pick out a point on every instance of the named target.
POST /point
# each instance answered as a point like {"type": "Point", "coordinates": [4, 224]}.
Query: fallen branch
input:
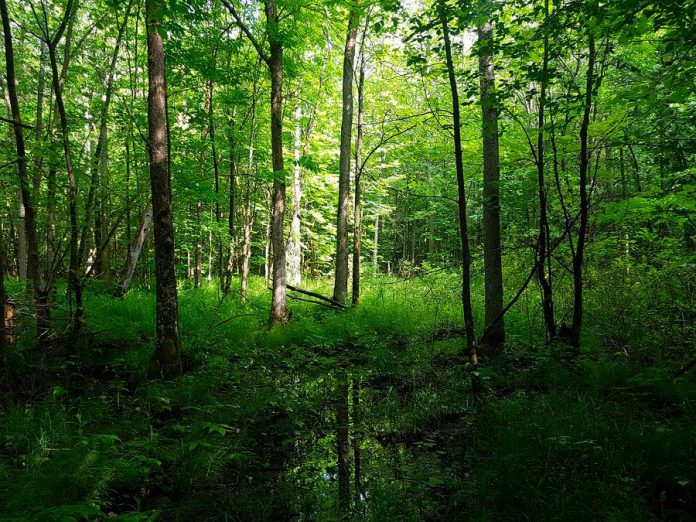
{"type": "Point", "coordinates": [318, 296]}
{"type": "Point", "coordinates": [12, 122]}
{"type": "Point", "coordinates": [231, 319]}
{"type": "Point", "coordinates": [327, 305]}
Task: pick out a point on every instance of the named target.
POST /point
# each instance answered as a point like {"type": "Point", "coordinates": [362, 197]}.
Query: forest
{"type": "Point", "coordinates": [382, 260]}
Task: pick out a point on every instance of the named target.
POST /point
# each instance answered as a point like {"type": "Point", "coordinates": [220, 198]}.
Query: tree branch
{"type": "Point", "coordinates": [243, 27]}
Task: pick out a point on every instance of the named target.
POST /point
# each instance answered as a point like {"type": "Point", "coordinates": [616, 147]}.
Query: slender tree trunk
{"type": "Point", "coordinates": [268, 260]}
{"type": "Point", "coordinates": [584, 200]}
{"type": "Point", "coordinates": [210, 251]}
{"type": "Point", "coordinates": [341, 278]}
{"type": "Point", "coordinates": [74, 281]}
{"type": "Point", "coordinates": [51, 200]}
{"type": "Point", "coordinates": [29, 223]}
{"type": "Point", "coordinates": [492, 253]}
{"type": "Point", "coordinates": [294, 254]}
{"type": "Point", "coordinates": [38, 128]}
{"type": "Point", "coordinates": [357, 206]}
{"type": "Point", "coordinates": [198, 280]}
{"type": "Point", "coordinates": [227, 285]}
{"type": "Point", "coordinates": [463, 227]}
{"type": "Point", "coordinates": [226, 279]}
{"type": "Point", "coordinates": [129, 235]}
{"type": "Point", "coordinates": [135, 249]}
{"type": "Point", "coordinates": [248, 220]}
{"type": "Point", "coordinates": [375, 247]}
{"type": "Point", "coordinates": [279, 310]}
{"type": "Point", "coordinates": [167, 356]}
{"type": "Point", "coordinates": [22, 248]}
{"type": "Point", "coordinates": [543, 254]}
{"type": "Point", "coordinates": [99, 187]}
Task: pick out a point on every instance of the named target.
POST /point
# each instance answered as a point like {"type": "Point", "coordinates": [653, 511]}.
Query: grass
{"type": "Point", "coordinates": [248, 433]}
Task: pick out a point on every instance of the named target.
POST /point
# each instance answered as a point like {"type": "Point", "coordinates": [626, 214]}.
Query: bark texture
{"type": "Point", "coordinates": [341, 277]}
{"type": "Point", "coordinates": [29, 222]}
{"type": "Point", "coordinates": [578, 258]}
{"type": "Point", "coordinates": [463, 225]}
{"type": "Point", "coordinates": [167, 356]}
{"type": "Point", "coordinates": [493, 271]}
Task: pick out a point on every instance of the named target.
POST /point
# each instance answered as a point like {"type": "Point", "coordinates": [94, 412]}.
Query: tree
{"type": "Point", "coordinates": [461, 190]}
{"type": "Point", "coordinates": [492, 252]}
{"type": "Point", "coordinates": [341, 273]}
{"type": "Point", "coordinates": [167, 356]}
{"type": "Point", "coordinates": [29, 223]}
{"type": "Point", "coordinates": [52, 41]}
{"type": "Point", "coordinates": [274, 61]}
{"type": "Point", "coordinates": [357, 205]}
{"type": "Point", "coordinates": [579, 254]}
{"type": "Point", "coordinates": [543, 257]}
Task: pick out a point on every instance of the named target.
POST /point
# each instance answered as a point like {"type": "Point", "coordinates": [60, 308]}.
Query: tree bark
{"type": "Point", "coordinates": [279, 311]}
{"type": "Point", "coordinates": [357, 206]}
{"type": "Point", "coordinates": [29, 222]}
{"type": "Point", "coordinates": [493, 271]}
{"type": "Point", "coordinates": [135, 249]}
{"type": "Point", "coordinates": [167, 356]}
{"type": "Point", "coordinates": [294, 253]}
{"type": "Point", "coordinates": [198, 279]}
{"type": "Point", "coordinates": [341, 276]}
{"type": "Point", "coordinates": [274, 60]}
{"type": "Point", "coordinates": [74, 282]}
{"type": "Point", "coordinates": [248, 214]}
{"type": "Point", "coordinates": [375, 247]}
{"type": "Point", "coordinates": [461, 203]}
{"type": "Point", "coordinates": [232, 141]}
{"type": "Point", "coordinates": [543, 254]}
{"type": "Point", "coordinates": [578, 258]}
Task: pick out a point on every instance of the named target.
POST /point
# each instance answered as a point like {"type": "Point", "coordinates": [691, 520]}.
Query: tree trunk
{"type": "Point", "coordinates": [167, 356]}
{"type": "Point", "coordinates": [135, 249]}
{"type": "Point", "coordinates": [543, 243]}
{"type": "Point", "coordinates": [294, 254]}
{"type": "Point", "coordinates": [463, 227]}
{"type": "Point", "coordinates": [492, 253]}
{"type": "Point", "coordinates": [99, 188]}
{"type": "Point", "coordinates": [29, 222]}
{"type": "Point", "coordinates": [227, 285]}
{"type": "Point", "coordinates": [578, 258]}
{"type": "Point", "coordinates": [22, 260]}
{"type": "Point", "coordinates": [248, 214]}
{"type": "Point", "coordinates": [279, 311]}
{"type": "Point", "coordinates": [74, 281]}
{"type": "Point", "coordinates": [198, 280]}
{"type": "Point", "coordinates": [375, 248]}
{"type": "Point", "coordinates": [357, 207]}
{"type": "Point", "coordinates": [38, 128]}
{"type": "Point", "coordinates": [341, 277]}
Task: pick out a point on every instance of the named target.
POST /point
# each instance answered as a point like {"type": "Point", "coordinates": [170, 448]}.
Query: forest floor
{"type": "Point", "coordinates": [248, 433]}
